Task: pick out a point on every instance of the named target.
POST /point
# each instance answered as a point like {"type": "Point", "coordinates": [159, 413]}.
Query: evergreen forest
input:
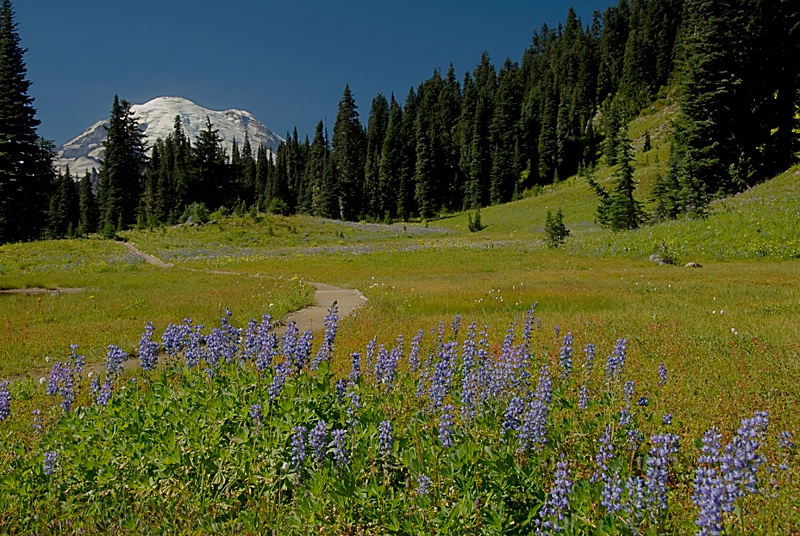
{"type": "Point", "coordinates": [456, 142]}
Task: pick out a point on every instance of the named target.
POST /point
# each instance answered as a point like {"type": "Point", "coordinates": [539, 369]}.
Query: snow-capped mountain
{"type": "Point", "coordinates": [156, 119]}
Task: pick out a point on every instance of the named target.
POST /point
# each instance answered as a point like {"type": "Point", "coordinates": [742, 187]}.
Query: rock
{"type": "Point", "coordinates": [658, 259]}
{"type": "Point", "coordinates": [692, 265]}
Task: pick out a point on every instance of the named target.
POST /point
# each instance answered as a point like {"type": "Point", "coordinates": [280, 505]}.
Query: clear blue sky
{"type": "Point", "coordinates": [286, 62]}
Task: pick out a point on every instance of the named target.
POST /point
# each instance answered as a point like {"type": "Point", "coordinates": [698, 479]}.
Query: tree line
{"type": "Point", "coordinates": [486, 137]}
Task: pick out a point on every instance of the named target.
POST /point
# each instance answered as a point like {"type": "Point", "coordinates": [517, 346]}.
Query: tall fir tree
{"type": "Point", "coordinates": [25, 160]}
{"type": "Point", "coordinates": [377, 126]}
{"type": "Point", "coordinates": [348, 157]}
{"type": "Point", "coordinates": [87, 204]}
{"type": "Point", "coordinates": [391, 164]}
{"type": "Point", "coordinates": [121, 170]}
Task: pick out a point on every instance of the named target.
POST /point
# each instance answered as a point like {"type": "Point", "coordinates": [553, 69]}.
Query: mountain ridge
{"type": "Point", "coordinates": [156, 120]}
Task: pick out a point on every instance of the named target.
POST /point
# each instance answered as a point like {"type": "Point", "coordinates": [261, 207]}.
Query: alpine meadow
{"type": "Point", "coordinates": [558, 297]}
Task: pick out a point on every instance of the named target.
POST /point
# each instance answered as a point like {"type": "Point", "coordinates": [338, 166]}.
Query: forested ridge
{"type": "Point", "coordinates": [460, 142]}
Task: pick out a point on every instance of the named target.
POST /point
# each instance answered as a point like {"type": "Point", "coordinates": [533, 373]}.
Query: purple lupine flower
{"type": "Point", "coordinates": [611, 496]}
{"type": "Point", "coordinates": [455, 325]}
{"type": "Point", "coordinates": [446, 422]}
{"type": "Point", "coordinates": [625, 416]}
{"type": "Point", "coordinates": [557, 331]}
{"type": "Point", "coordinates": [544, 390]}
{"type": "Point", "coordinates": [413, 354]}
{"type": "Point", "coordinates": [662, 374]}
{"type": "Point", "coordinates": [384, 368]}
{"type": "Point", "coordinates": [174, 337]}
{"type": "Point", "coordinates": [709, 489]}
{"type": "Point", "coordinates": [302, 349]}
{"type": "Point", "coordinates": [355, 405]}
{"type": "Point", "coordinates": [256, 416]}
{"type": "Point", "coordinates": [318, 441]}
{"type": "Point", "coordinates": [326, 348]}
{"type": "Point", "coordinates": [532, 433]}
{"type": "Point", "coordinates": [740, 462]}
{"type": "Point", "coordinates": [527, 329]}
{"type": "Point", "coordinates": [105, 391]}
{"type": "Point", "coordinates": [76, 361]}
{"type": "Point", "coordinates": [38, 424]}
{"type": "Point", "coordinates": [215, 349]}
{"type": "Point", "coordinates": [628, 390]}
{"type": "Point", "coordinates": [588, 360]}
{"type": "Point", "coordinates": [369, 356]}
{"type": "Point", "coordinates": [114, 360]}
{"type": "Point", "coordinates": [339, 445]}
{"type": "Point", "coordinates": [665, 446]}
{"type": "Point", "coordinates": [636, 489]}
{"type": "Point", "coordinates": [583, 399]}
{"type": "Point", "coordinates": [385, 440]}
{"type": "Point", "coordinates": [250, 341]}
{"type": "Point", "coordinates": [289, 342]}
{"type": "Point", "coordinates": [616, 361]}
{"type": "Point", "coordinates": [50, 463]}
{"type": "Point", "coordinates": [557, 504]}
{"type": "Point", "coordinates": [266, 344]}
{"type": "Point", "coordinates": [604, 456]}
{"type": "Point", "coordinates": [643, 402]}
{"type": "Point", "coordinates": [193, 350]}
{"type": "Point", "coordinates": [468, 354]}
{"type": "Point", "coordinates": [232, 335]}
{"type": "Point", "coordinates": [440, 334]}
{"type": "Point", "coordinates": [62, 381]}
{"type": "Point", "coordinates": [298, 447]}
{"type": "Point", "coordinates": [5, 401]}
{"type": "Point", "coordinates": [513, 414]}
{"type": "Point", "coordinates": [282, 371]}
{"type": "Point", "coordinates": [785, 441]}
{"type": "Point", "coordinates": [666, 420]}
{"type": "Point", "coordinates": [442, 375]}
{"type": "Point", "coordinates": [635, 439]}
{"type": "Point", "coordinates": [148, 349]}
{"type": "Point", "coordinates": [341, 389]}
{"type": "Point", "coordinates": [355, 368]}
{"type": "Point", "coordinates": [566, 356]}
{"type": "Point", "coordinates": [423, 484]}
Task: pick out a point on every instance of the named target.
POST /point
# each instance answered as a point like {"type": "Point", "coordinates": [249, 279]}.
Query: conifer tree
{"type": "Point", "coordinates": [63, 214]}
{"type": "Point", "coordinates": [208, 184]}
{"type": "Point", "coordinates": [318, 159]}
{"type": "Point", "coordinates": [87, 204]}
{"type": "Point", "coordinates": [504, 134]}
{"type": "Point", "coordinates": [25, 159]}
{"type": "Point", "coordinates": [376, 133]}
{"type": "Point", "coordinates": [348, 156]}
{"type": "Point", "coordinates": [619, 210]}
{"type": "Point", "coordinates": [122, 167]}
{"type": "Point", "coordinates": [391, 163]}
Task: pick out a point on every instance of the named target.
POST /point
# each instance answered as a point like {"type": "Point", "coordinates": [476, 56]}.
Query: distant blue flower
{"type": "Point", "coordinates": [302, 350]}
{"type": "Point", "coordinates": [446, 422]}
{"type": "Point", "coordinates": [628, 389]}
{"type": "Point", "coordinates": [289, 342]}
{"type": "Point", "coordinates": [643, 402]}
{"type": "Point", "coordinates": [423, 484]}
{"type": "Point", "coordinates": [385, 440]}
{"type": "Point", "coordinates": [338, 443]}
{"type": "Point", "coordinates": [353, 407]}
{"type": "Point", "coordinates": [148, 349]}
{"type": "Point", "coordinates": [740, 461]}
{"type": "Point", "coordinates": [266, 344]}
{"type": "Point", "coordinates": [355, 368]}
{"type": "Point", "coordinates": [5, 401]}
{"type": "Point", "coordinates": [527, 329]}
{"type": "Point", "coordinates": [255, 414]}
{"type": "Point", "coordinates": [341, 389]}
{"type": "Point", "coordinates": [104, 394]}
{"type": "Point", "coordinates": [557, 330]}
{"type": "Point", "coordinates": [625, 417]}
{"type": "Point", "coordinates": [635, 439]}
{"type": "Point", "coordinates": [709, 489]}
{"type": "Point", "coordinates": [556, 505]}
{"type": "Point", "coordinates": [532, 434]}
{"type": "Point", "coordinates": [513, 414]}
{"type": "Point", "coordinates": [566, 356]}
{"type": "Point", "coordinates": [583, 399]}
{"type": "Point", "coordinates": [616, 361]}
{"type": "Point", "coordinates": [38, 424]}
{"type": "Point", "coordinates": [318, 440]}
{"type": "Point", "coordinates": [369, 356]}
{"type": "Point", "coordinates": [544, 390]}
{"type": "Point", "coordinates": [785, 441]}
{"type": "Point", "coordinates": [50, 464]}
{"type": "Point", "coordinates": [413, 355]}
{"type": "Point", "coordinates": [62, 382]}
{"type": "Point", "coordinates": [298, 446]}
{"type": "Point", "coordinates": [281, 373]}
{"type": "Point", "coordinates": [665, 446]}
{"type": "Point", "coordinates": [455, 325]}
{"type": "Point", "coordinates": [636, 490]}
{"type": "Point", "coordinates": [588, 360]}
{"type": "Point", "coordinates": [662, 374]}
{"type": "Point", "coordinates": [442, 375]}
{"type": "Point", "coordinates": [604, 456]}
{"type": "Point", "coordinates": [385, 367]}
{"type": "Point", "coordinates": [666, 420]}
{"type": "Point", "coordinates": [326, 348]}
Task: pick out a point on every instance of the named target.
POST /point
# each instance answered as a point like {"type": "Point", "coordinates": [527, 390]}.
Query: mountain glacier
{"type": "Point", "coordinates": [156, 120]}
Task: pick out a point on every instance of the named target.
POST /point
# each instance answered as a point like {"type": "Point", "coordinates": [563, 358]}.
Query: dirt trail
{"type": "Point", "coordinates": [309, 318]}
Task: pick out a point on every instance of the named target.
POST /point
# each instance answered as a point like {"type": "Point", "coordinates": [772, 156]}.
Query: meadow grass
{"type": "Point", "coordinates": [726, 332]}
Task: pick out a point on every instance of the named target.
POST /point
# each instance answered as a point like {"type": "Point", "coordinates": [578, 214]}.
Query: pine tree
{"type": "Point", "coordinates": [377, 126]}
{"type": "Point", "coordinates": [348, 156]}
{"type": "Point", "coordinates": [87, 204]}
{"type": "Point", "coordinates": [504, 134]}
{"type": "Point", "coordinates": [554, 229]}
{"type": "Point", "coordinates": [63, 214]}
{"type": "Point", "coordinates": [25, 160]}
{"type": "Point", "coordinates": [619, 210]}
{"type": "Point", "coordinates": [121, 171]}
{"type": "Point", "coordinates": [391, 163]}
{"type": "Point", "coordinates": [209, 174]}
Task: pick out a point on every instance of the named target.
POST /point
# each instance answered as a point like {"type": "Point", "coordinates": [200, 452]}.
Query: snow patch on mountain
{"type": "Point", "coordinates": [156, 120]}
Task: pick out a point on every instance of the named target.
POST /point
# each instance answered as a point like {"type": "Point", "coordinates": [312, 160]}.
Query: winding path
{"type": "Point", "coordinates": [308, 318]}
